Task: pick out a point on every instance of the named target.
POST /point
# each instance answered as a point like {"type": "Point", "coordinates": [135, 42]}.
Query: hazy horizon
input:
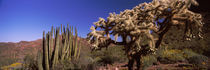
{"type": "Point", "coordinates": [25, 20]}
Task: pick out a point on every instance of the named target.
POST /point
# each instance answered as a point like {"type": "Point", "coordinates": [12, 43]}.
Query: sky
{"type": "Point", "coordinates": [25, 20]}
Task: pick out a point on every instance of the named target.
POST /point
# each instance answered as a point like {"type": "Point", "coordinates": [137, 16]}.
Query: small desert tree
{"type": "Point", "coordinates": [142, 28]}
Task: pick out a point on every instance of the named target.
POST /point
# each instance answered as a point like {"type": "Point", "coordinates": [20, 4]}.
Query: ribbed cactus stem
{"type": "Point", "coordinates": [45, 51]}
{"type": "Point", "coordinates": [64, 47]}
{"type": "Point", "coordinates": [68, 29]}
{"type": "Point", "coordinates": [39, 60]}
{"type": "Point", "coordinates": [70, 44]}
{"type": "Point", "coordinates": [79, 46]}
{"type": "Point", "coordinates": [56, 49]}
{"type": "Point", "coordinates": [64, 30]}
{"type": "Point", "coordinates": [76, 44]}
{"type": "Point", "coordinates": [67, 50]}
{"type": "Point", "coordinates": [61, 28]}
{"type": "Point", "coordinates": [54, 31]}
{"type": "Point", "coordinates": [51, 43]}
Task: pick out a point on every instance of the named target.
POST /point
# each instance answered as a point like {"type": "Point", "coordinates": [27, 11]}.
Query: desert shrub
{"type": "Point", "coordinates": [14, 66]}
{"type": "Point", "coordinates": [109, 55]}
{"type": "Point", "coordinates": [107, 59]}
{"type": "Point", "coordinates": [89, 63]}
{"type": "Point", "coordinates": [194, 58]}
{"type": "Point", "coordinates": [68, 65]}
{"type": "Point", "coordinates": [86, 63]}
{"type": "Point", "coordinates": [148, 61]}
{"type": "Point", "coordinates": [4, 61]}
{"type": "Point", "coordinates": [165, 55]}
{"type": "Point", "coordinates": [30, 62]}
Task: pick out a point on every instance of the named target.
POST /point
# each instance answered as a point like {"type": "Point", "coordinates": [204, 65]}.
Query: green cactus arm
{"type": "Point", "coordinates": [51, 43]}
{"type": "Point", "coordinates": [71, 44]}
{"type": "Point", "coordinates": [64, 47]}
{"type": "Point", "coordinates": [45, 51]}
{"type": "Point", "coordinates": [79, 46]}
{"type": "Point", "coordinates": [76, 43]}
{"type": "Point", "coordinates": [56, 49]}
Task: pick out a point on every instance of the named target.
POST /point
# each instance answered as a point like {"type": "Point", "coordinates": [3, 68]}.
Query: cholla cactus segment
{"type": "Point", "coordinates": [144, 19]}
{"type": "Point", "coordinates": [116, 37]}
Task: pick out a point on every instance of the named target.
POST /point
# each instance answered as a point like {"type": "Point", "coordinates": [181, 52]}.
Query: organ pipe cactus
{"type": "Point", "coordinates": [143, 28]}
{"type": "Point", "coordinates": [58, 47]}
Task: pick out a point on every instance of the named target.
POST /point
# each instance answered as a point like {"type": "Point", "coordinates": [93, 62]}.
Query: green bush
{"type": "Point", "coordinates": [110, 55]}
{"type": "Point", "coordinates": [30, 63]}
{"type": "Point", "coordinates": [193, 58]}
{"type": "Point", "coordinates": [4, 61]}
{"type": "Point", "coordinates": [165, 55]}
{"type": "Point", "coordinates": [148, 61]}
{"type": "Point", "coordinates": [85, 63]}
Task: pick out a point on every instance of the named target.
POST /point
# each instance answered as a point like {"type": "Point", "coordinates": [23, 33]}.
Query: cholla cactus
{"type": "Point", "coordinates": [137, 26]}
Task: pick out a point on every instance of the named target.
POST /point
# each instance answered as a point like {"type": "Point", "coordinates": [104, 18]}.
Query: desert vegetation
{"type": "Point", "coordinates": [159, 35]}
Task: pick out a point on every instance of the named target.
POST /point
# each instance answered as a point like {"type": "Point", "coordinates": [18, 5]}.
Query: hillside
{"type": "Point", "coordinates": [15, 52]}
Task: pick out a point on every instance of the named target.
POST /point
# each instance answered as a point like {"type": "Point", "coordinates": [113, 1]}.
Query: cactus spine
{"type": "Point", "coordinates": [58, 47]}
